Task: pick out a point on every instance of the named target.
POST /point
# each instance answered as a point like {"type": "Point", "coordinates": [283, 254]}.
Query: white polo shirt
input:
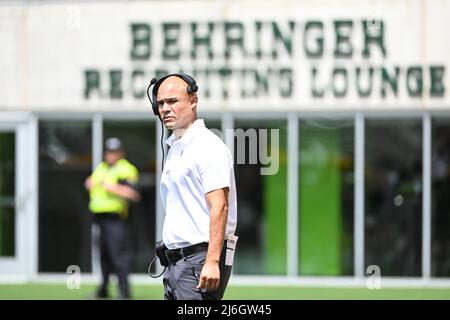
{"type": "Point", "coordinates": [197, 163]}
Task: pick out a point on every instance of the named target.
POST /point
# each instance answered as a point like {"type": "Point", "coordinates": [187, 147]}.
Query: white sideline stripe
{"type": "Point", "coordinates": [339, 282]}
{"type": "Point", "coordinates": [256, 281]}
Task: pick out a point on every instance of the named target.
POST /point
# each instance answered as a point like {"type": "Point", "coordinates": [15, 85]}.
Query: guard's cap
{"type": "Point", "coordinates": [113, 144]}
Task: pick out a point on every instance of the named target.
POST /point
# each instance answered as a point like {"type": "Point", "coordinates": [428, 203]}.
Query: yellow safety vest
{"type": "Point", "coordinates": [102, 201]}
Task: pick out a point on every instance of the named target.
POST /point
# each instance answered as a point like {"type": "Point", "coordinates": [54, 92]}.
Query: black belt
{"type": "Point", "coordinates": [176, 254]}
{"type": "Point", "coordinates": [107, 216]}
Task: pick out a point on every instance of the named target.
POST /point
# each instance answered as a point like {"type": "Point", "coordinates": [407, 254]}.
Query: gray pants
{"type": "Point", "coordinates": [182, 277]}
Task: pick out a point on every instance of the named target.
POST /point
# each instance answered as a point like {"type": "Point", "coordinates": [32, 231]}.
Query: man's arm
{"type": "Point", "coordinates": [218, 208]}
{"type": "Point", "coordinates": [123, 190]}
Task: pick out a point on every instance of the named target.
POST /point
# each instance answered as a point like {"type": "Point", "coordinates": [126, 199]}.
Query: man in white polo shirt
{"type": "Point", "coordinates": [198, 194]}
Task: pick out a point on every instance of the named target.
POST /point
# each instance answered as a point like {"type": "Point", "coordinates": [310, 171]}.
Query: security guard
{"type": "Point", "coordinates": [111, 186]}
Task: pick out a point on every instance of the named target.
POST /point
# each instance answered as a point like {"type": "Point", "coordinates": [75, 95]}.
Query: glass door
{"type": "Point", "coordinates": [7, 195]}
{"type": "Point", "coordinates": [17, 199]}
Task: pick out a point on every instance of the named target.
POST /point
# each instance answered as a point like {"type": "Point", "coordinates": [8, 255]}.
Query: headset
{"type": "Point", "coordinates": [192, 88]}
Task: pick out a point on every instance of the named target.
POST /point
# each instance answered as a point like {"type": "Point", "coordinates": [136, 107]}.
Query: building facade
{"type": "Point", "coordinates": [338, 115]}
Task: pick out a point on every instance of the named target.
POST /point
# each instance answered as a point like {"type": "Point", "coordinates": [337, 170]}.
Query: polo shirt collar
{"type": "Point", "coordinates": [188, 135]}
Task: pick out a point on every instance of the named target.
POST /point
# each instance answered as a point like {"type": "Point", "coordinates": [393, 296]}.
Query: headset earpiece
{"type": "Point", "coordinates": [153, 101]}
{"type": "Point", "coordinates": [191, 88]}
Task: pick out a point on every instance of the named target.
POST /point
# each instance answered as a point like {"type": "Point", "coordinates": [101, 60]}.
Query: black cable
{"type": "Point", "coordinates": [150, 273]}
{"type": "Point", "coordinates": [162, 143]}
{"type": "Point", "coordinates": [162, 167]}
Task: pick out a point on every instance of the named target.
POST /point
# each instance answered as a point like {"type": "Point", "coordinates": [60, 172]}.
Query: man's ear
{"type": "Point", "coordinates": [194, 101]}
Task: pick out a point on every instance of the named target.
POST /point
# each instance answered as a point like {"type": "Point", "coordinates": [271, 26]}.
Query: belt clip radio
{"type": "Point", "coordinates": [160, 250]}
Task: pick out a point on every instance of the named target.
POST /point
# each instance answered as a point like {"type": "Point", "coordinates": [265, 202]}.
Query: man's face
{"type": "Point", "coordinates": [175, 105]}
{"type": "Point", "coordinates": [112, 156]}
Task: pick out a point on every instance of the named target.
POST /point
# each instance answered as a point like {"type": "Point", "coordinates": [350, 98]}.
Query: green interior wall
{"type": "Point", "coordinates": [275, 209]}
{"type": "Point", "coordinates": [320, 222]}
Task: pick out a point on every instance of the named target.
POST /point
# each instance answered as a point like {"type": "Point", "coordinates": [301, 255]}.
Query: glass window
{"type": "Point", "coordinates": [326, 200]}
{"type": "Point", "coordinates": [393, 196]}
{"type": "Point", "coordinates": [440, 247]}
{"type": "Point", "coordinates": [138, 138]}
{"type": "Point", "coordinates": [64, 223]}
{"type": "Point", "coordinates": [7, 194]}
{"type": "Point", "coordinates": [260, 155]}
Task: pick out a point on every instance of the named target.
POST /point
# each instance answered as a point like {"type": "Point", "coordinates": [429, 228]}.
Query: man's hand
{"type": "Point", "coordinates": [88, 183]}
{"type": "Point", "coordinates": [210, 276]}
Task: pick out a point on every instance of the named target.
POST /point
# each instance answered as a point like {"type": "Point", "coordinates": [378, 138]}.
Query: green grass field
{"type": "Point", "coordinates": [234, 292]}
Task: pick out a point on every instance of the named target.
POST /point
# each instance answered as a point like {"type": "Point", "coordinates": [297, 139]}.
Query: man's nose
{"type": "Point", "coordinates": [165, 107]}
